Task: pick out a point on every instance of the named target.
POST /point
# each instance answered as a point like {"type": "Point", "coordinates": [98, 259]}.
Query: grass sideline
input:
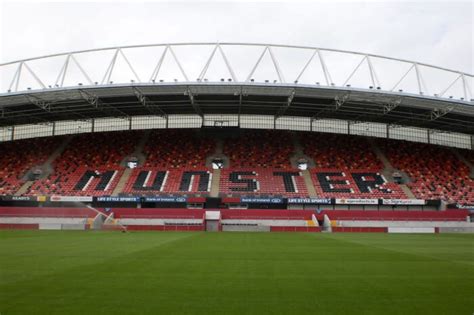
{"type": "Point", "coordinates": [68, 272]}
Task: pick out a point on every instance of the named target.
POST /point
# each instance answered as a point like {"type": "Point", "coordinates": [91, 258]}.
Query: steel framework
{"type": "Point", "coordinates": [372, 79]}
{"type": "Point", "coordinates": [253, 79]}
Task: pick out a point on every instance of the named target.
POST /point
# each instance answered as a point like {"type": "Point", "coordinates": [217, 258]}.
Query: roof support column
{"type": "Point", "coordinates": [13, 133]}
{"type": "Point", "coordinates": [428, 136]}
{"type": "Point", "coordinates": [240, 104]}
{"type": "Point", "coordinates": [93, 125]}
{"type": "Point", "coordinates": [472, 142]}
{"type": "Point", "coordinates": [54, 129]}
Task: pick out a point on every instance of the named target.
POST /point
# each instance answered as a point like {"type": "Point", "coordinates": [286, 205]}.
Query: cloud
{"type": "Point", "coordinates": [438, 33]}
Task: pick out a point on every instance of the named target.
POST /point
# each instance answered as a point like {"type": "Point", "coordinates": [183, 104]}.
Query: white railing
{"type": "Point", "coordinates": [378, 130]}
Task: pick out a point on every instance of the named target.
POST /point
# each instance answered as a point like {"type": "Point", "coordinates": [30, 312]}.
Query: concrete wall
{"type": "Point", "coordinates": [411, 230]}
{"type": "Point", "coordinates": [158, 221]}
{"type": "Point", "coordinates": [49, 226]}
{"type": "Point", "coordinates": [245, 228]}
{"type": "Point", "coordinates": [79, 227]}
{"type": "Point", "coordinates": [43, 220]}
{"type": "Point", "coordinates": [266, 222]}
{"type": "Point", "coordinates": [456, 229]}
{"type": "Point", "coordinates": [404, 224]}
{"type": "Point", "coordinates": [58, 226]}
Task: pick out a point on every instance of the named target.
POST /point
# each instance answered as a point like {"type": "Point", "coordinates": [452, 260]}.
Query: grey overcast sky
{"type": "Point", "coordinates": [435, 32]}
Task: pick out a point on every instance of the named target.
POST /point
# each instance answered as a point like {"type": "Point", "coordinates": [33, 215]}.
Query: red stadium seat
{"type": "Point", "coordinates": [18, 157]}
{"type": "Point", "coordinates": [175, 163]}
{"type": "Point", "coordinates": [436, 172]}
{"type": "Point", "coordinates": [344, 157]}
{"type": "Point", "coordinates": [101, 152]}
{"type": "Point", "coordinates": [176, 151]}
{"type": "Point", "coordinates": [260, 149]}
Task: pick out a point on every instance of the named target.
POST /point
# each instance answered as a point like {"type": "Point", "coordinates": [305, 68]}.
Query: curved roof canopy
{"type": "Point", "coordinates": [235, 78]}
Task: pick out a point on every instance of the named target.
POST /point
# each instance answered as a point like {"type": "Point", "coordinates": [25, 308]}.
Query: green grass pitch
{"type": "Point", "coordinates": [67, 272]}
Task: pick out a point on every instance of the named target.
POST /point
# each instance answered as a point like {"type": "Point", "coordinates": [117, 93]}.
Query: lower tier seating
{"type": "Point", "coordinates": [363, 183]}
{"type": "Point", "coordinates": [469, 155]}
{"type": "Point", "coordinates": [90, 165]}
{"type": "Point", "coordinates": [249, 181]}
{"type": "Point", "coordinates": [174, 161]}
{"type": "Point", "coordinates": [146, 180]}
{"type": "Point", "coordinates": [340, 151]}
{"type": "Point", "coordinates": [81, 181]}
{"type": "Point", "coordinates": [177, 148]}
{"type": "Point", "coordinates": [435, 172]}
{"type": "Point", "coordinates": [18, 157]}
{"type": "Point", "coordinates": [260, 149]}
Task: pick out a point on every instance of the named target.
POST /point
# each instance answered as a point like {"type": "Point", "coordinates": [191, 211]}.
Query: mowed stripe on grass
{"type": "Point", "coordinates": [54, 272]}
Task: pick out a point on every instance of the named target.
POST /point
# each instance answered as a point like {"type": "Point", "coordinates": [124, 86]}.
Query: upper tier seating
{"type": "Point", "coordinates": [153, 181]}
{"type": "Point", "coordinates": [90, 165]}
{"type": "Point", "coordinates": [435, 171]}
{"type": "Point", "coordinates": [260, 149]}
{"type": "Point", "coordinates": [170, 155]}
{"type": "Point", "coordinates": [18, 157]}
{"type": "Point", "coordinates": [347, 167]}
{"type": "Point", "coordinates": [340, 151]}
{"type": "Point", "coordinates": [469, 155]}
{"type": "Point", "coordinates": [260, 164]}
{"type": "Point", "coordinates": [265, 181]}
{"type": "Point", "coordinates": [177, 148]}
{"type": "Point", "coordinates": [357, 183]}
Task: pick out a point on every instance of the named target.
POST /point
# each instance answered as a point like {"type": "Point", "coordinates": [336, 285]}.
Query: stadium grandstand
{"type": "Point", "coordinates": [383, 145]}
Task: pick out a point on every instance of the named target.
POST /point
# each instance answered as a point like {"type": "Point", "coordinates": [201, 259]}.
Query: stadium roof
{"type": "Point", "coordinates": [107, 83]}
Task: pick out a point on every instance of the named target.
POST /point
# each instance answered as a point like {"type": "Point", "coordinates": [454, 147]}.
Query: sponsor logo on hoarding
{"type": "Point", "coordinates": [344, 201]}
{"type": "Point", "coordinates": [118, 199]}
{"type": "Point", "coordinates": [164, 199]}
{"type": "Point", "coordinates": [403, 202]}
{"type": "Point", "coordinates": [324, 201]}
{"type": "Point", "coordinates": [21, 198]}
{"type": "Point", "coordinates": [18, 198]}
{"type": "Point", "coordinates": [70, 198]}
{"type": "Point", "coordinates": [41, 198]}
{"type": "Point", "coordinates": [261, 200]}
{"type": "Point", "coordinates": [466, 206]}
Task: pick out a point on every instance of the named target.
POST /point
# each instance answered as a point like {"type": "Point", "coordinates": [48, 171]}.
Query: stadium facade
{"type": "Point", "coordinates": [331, 123]}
